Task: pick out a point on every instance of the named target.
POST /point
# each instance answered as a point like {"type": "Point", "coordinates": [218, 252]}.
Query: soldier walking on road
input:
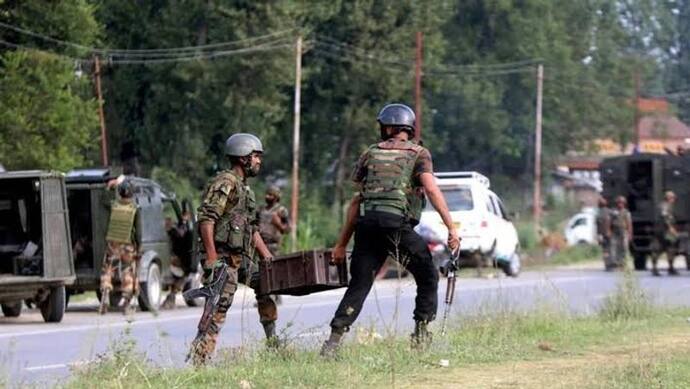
{"type": "Point", "coordinates": [668, 241]}
{"type": "Point", "coordinates": [391, 177]}
{"type": "Point", "coordinates": [621, 233]}
{"type": "Point", "coordinates": [604, 232]}
{"type": "Point", "coordinates": [122, 249]}
{"type": "Point", "coordinates": [229, 233]}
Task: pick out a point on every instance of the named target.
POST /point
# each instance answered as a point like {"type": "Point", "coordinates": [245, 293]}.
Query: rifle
{"type": "Point", "coordinates": [212, 293]}
{"type": "Point", "coordinates": [449, 267]}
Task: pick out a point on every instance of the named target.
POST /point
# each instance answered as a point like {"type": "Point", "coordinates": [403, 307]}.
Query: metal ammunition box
{"type": "Point", "coordinates": [302, 273]}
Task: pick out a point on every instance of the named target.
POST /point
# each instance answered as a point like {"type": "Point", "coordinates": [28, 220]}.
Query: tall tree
{"type": "Point", "coordinates": [48, 116]}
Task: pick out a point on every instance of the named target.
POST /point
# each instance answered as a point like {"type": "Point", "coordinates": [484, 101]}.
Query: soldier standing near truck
{"type": "Point", "coordinates": [621, 233]}
{"type": "Point", "coordinates": [181, 238]}
{"type": "Point", "coordinates": [390, 176]}
{"type": "Point", "coordinates": [668, 241]}
{"type": "Point", "coordinates": [122, 249]}
{"type": "Point", "coordinates": [229, 234]}
{"type": "Point", "coordinates": [604, 232]}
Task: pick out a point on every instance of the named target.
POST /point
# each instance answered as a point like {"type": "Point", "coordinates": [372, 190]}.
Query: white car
{"type": "Point", "coordinates": [480, 217]}
{"type": "Point", "coordinates": [581, 229]}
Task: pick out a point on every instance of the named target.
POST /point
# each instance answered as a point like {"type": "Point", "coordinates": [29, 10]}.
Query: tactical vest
{"type": "Point", "coordinates": [235, 228]}
{"type": "Point", "coordinates": [388, 185]}
{"type": "Point", "coordinates": [618, 221]}
{"type": "Point", "coordinates": [121, 222]}
{"type": "Point", "coordinates": [269, 232]}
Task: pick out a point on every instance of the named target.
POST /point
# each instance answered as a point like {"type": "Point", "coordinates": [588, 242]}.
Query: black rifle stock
{"type": "Point", "coordinates": [212, 293]}
{"type": "Point", "coordinates": [449, 268]}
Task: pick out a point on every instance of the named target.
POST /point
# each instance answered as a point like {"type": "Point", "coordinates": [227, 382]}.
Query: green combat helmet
{"type": "Point", "coordinates": [242, 144]}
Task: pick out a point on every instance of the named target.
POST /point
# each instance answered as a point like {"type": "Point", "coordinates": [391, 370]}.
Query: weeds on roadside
{"type": "Point", "coordinates": [629, 301]}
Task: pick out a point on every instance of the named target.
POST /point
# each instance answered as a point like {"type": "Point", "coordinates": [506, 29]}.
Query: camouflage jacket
{"type": "Point", "coordinates": [229, 203]}
{"type": "Point", "coordinates": [668, 217]}
{"type": "Point", "coordinates": [269, 232]}
{"type": "Point", "coordinates": [621, 220]}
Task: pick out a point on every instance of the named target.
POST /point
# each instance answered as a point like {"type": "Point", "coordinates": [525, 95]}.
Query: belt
{"type": "Point", "coordinates": [381, 208]}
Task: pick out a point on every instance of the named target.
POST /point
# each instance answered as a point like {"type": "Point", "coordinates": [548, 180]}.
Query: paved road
{"type": "Point", "coordinates": [40, 353]}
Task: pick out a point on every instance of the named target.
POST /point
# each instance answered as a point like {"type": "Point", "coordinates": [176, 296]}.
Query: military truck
{"type": "Point", "coordinates": [35, 252]}
{"type": "Point", "coordinates": [642, 179]}
{"type": "Point", "coordinates": [89, 202]}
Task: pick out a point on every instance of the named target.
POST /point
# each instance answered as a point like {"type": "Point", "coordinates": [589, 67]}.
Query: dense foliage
{"type": "Point", "coordinates": [173, 111]}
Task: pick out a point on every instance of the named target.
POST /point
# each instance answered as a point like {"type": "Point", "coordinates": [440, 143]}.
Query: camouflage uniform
{"type": "Point", "coordinates": [270, 234]}
{"type": "Point", "coordinates": [121, 252]}
{"type": "Point", "coordinates": [604, 234]}
{"type": "Point", "coordinates": [180, 260]}
{"type": "Point", "coordinates": [230, 204]}
{"type": "Point", "coordinates": [668, 241]}
{"type": "Point", "coordinates": [384, 229]}
{"type": "Point", "coordinates": [621, 221]}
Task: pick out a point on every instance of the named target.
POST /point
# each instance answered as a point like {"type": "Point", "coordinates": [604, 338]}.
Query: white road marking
{"type": "Point", "coordinates": [498, 285]}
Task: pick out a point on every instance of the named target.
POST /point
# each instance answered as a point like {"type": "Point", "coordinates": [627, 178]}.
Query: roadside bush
{"type": "Point", "coordinates": [628, 302]}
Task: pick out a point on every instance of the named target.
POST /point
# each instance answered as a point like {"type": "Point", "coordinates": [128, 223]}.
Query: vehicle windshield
{"type": "Point", "coordinates": [458, 198]}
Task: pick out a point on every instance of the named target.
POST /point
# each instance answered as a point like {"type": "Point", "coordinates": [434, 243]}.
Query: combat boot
{"type": "Point", "coordinates": [169, 302]}
{"type": "Point", "coordinates": [421, 337]}
{"type": "Point", "coordinates": [127, 308]}
{"type": "Point", "coordinates": [105, 300]}
{"type": "Point", "coordinates": [272, 340]}
{"type": "Point", "coordinates": [332, 344]}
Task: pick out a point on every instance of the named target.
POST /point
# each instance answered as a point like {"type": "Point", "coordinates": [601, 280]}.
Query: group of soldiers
{"type": "Point", "coordinates": [615, 231]}
{"type": "Point", "coordinates": [122, 253]}
{"type": "Point", "coordinates": [392, 178]}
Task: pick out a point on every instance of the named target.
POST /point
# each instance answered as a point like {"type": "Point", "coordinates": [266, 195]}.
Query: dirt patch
{"type": "Point", "coordinates": [558, 371]}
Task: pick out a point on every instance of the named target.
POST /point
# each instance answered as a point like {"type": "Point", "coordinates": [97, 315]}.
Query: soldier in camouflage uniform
{"type": "Point", "coordinates": [391, 177]}
{"type": "Point", "coordinates": [604, 232]}
{"type": "Point", "coordinates": [621, 232]}
{"type": "Point", "coordinates": [121, 251]}
{"type": "Point", "coordinates": [181, 238]}
{"type": "Point", "coordinates": [274, 220]}
{"type": "Point", "coordinates": [228, 230]}
{"type": "Point", "coordinates": [668, 241]}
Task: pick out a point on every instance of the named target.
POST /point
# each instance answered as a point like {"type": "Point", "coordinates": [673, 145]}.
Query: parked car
{"type": "Point", "coordinates": [488, 235]}
{"type": "Point", "coordinates": [89, 202]}
{"type": "Point", "coordinates": [581, 229]}
{"type": "Point", "coordinates": [35, 254]}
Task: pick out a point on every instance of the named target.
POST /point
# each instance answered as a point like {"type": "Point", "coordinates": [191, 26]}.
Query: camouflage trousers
{"type": "Point", "coordinates": [178, 274]}
{"type": "Point", "coordinates": [618, 250]}
{"type": "Point", "coordinates": [205, 343]}
{"type": "Point", "coordinates": [120, 258]}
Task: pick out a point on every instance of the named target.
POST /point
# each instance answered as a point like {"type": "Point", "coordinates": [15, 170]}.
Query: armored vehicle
{"type": "Point", "coordinates": [89, 200]}
{"type": "Point", "coordinates": [642, 179]}
{"type": "Point", "coordinates": [35, 254]}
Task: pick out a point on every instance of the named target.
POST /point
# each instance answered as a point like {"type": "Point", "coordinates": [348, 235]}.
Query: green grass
{"type": "Point", "coordinates": [498, 338]}
{"type": "Point", "coordinates": [576, 254]}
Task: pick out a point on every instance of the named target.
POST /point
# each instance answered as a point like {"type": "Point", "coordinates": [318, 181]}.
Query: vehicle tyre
{"type": "Point", "coordinates": [582, 242]}
{"type": "Point", "coordinates": [640, 261]}
{"type": "Point", "coordinates": [150, 290]}
{"type": "Point", "coordinates": [53, 308]}
{"type": "Point", "coordinates": [194, 282]}
{"type": "Point", "coordinates": [12, 309]}
{"type": "Point", "coordinates": [513, 266]}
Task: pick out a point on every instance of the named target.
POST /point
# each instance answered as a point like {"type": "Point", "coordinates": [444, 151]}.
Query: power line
{"type": "Point", "coordinates": [270, 46]}
{"type": "Point", "coordinates": [142, 52]}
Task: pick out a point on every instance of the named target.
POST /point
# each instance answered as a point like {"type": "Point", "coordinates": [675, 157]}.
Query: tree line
{"type": "Point", "coordinates": [228, 66]}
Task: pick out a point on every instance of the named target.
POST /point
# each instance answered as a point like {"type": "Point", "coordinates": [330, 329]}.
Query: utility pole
{"type": "Point", "coordinates": [418, 85]}
{"type": "Point", "coordinates": [294, 204]}
{"type": "Point", "coordinates": [636, 127]}
{"type": "Point", "coordinates": [101, 116]}
{"type": "Point", "coordinates": [536, 201]}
